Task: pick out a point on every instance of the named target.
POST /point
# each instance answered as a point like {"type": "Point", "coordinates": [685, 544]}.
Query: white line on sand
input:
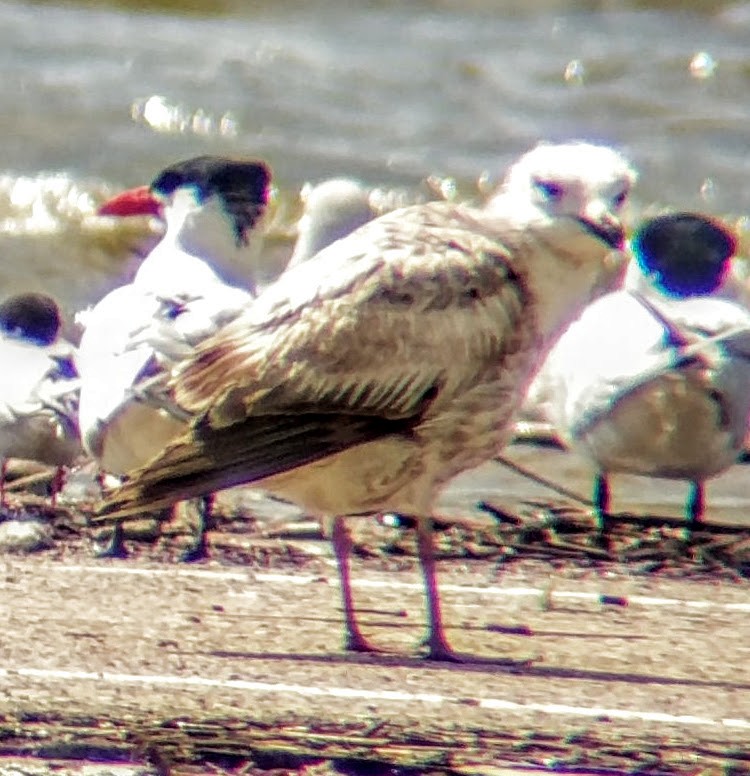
{"type": "Point", "coordinates": [351, 693]}
{"type": "Point", "coordinates": [510, 592]}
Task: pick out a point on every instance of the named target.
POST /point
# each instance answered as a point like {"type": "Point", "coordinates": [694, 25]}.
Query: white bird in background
{"type": "Point", "coordinates": [38, 386]}
{"type": "Point", "coordinates": [655, 379]}
{"type": "Point", "coordinates": [332, 209]}
{"type": "Point", "coordinates": [367, 377]}
{"type": "Point", "coordinates": [136, 335]}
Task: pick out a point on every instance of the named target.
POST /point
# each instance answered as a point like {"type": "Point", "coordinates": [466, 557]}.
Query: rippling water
{"type": "Point", "coordinates": [98, 96]}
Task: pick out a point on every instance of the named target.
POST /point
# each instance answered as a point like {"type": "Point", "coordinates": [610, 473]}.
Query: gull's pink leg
{"type": "Point", "coordinates": [57, 484]}
{"type": "Point", "coordinates": [342, 545]}
{"type": "Point", "coordinates": [696, 504]}
{"type": "Point", "coordinates": [436, 642]}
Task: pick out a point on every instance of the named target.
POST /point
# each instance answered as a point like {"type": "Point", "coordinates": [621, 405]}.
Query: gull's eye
{"type": "Point", "coordinates": [551, 190]}
{"type": "Point", "coordinates": [619, 199]}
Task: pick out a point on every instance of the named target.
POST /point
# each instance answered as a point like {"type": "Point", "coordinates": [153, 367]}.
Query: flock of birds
{"type": "Point", "coordinates": [393, 352]}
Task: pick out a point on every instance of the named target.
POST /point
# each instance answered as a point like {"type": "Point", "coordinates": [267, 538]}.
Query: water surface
{"type": "Point", "coordinates": [96, 96]}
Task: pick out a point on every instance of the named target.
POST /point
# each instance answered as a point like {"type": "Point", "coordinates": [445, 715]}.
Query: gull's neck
{"type": "Point", "coordinates": [564, 267]}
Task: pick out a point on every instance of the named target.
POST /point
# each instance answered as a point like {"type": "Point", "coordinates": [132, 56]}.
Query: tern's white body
{"type": "Point", "coordinates": [628, 399]}
{"type": "Point", "coordinates": [37, 403]}
{"type": "Point", "coordinates": [132, 339]}
{"type": "Point", "coordinates": [135, 335]}
{"type": "Point", "coordinates": [332, 210]}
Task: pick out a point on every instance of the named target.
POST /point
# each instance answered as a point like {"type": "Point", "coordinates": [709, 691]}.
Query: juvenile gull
{"type": "Point", "coordinates": [367, 377]}
{"type": "Point", "coordinates": [655, 379]}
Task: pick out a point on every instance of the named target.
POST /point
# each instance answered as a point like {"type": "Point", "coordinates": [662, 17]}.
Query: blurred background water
{"type": "Point", "coordinates": [100, 95]}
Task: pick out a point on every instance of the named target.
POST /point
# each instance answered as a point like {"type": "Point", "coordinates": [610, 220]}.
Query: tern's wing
{"type": "Point", "coordinates": [624, 341]}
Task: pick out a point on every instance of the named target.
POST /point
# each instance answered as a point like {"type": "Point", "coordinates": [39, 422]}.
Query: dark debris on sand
{"type": "Point", "coordinates": [376, 747]}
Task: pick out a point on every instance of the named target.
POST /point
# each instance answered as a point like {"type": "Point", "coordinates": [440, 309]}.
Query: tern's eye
{"type": "Point", "coordinates": [551, 190]}
{"type": "Point", "coordinates": [167, 183]}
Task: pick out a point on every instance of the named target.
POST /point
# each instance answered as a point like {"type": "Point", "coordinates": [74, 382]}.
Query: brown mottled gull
{"type": "Point", "coordinates": [370, 375]}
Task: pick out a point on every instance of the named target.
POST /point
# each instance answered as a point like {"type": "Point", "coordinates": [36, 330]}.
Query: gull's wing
{"type": "Point", "coordinates": [374, 336]}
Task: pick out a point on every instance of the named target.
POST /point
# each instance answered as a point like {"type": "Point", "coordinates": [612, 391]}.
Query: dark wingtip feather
{"type": "Point", "coordinates": [211, 459]}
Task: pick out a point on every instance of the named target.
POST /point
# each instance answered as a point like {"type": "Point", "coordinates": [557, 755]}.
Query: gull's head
{"type": "Point", "coordinates": [31, 318]}
{"type": "Point", "coordinates": [564, 201]}
{"type": "Point", "coordinates": [587, 183]}
{"type": "Point", "coordinates": [682, 254]}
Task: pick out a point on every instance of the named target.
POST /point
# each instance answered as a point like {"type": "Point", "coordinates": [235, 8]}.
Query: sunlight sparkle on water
{"type": "Point", "coordinates": [702, 65]}
{"type": "Point", "coordinates": [575, 72]}
{"type": "Point", "coordinates": [162, 116]}
{"type": "Point", "coordinates": [708, 190]}
{"type": "Point", "coordinates": [444, 187]}
{"type": "Point", "coordinates": [41, 204]}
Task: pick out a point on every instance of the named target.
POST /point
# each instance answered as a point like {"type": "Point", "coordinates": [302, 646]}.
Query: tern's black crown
{"type": "Point", "coordinates": [33, 317]}
{"type": "Point", "coordinates": [242, 186]}
{"type": "Point", "coordinates": [686, 254]}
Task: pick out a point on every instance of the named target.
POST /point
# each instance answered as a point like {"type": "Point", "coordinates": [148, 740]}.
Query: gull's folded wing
{"type": "Point", "coordinates": [373, 337]}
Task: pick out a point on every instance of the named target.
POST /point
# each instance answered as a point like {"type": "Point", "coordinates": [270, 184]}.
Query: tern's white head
{"type": "Point", "coordinates": [211, 206]}
{"type": "Point", "coordinates": [38, 384]}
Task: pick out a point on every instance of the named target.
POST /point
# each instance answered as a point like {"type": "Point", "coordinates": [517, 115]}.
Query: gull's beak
{"type": "Point", "coordinates": [600, 221]}
{"type": "Point", "coordinates": [133, 202]}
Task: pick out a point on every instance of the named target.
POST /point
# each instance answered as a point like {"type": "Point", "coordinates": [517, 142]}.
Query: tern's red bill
{"type": "Point", "coordinates": [133, 202]}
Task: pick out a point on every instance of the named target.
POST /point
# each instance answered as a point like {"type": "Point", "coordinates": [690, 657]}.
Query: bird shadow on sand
{"type": "Point", "coordinates": [508, 630]}
{"type": "Point", "coordinates": [480, 664]}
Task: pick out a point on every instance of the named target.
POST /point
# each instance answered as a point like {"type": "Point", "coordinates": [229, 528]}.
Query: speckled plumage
{"type": "Point", "coordinates": [433, 303]}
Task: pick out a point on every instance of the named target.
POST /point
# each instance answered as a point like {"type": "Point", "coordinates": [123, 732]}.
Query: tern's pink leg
{"type": "Point", "coordinates": [342, 545]}
{"type": "Point", "coordinates": [57, 484]}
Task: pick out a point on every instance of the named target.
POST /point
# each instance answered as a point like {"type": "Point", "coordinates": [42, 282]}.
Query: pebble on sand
{"type": "Point", "coordinates": [24, 536]}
